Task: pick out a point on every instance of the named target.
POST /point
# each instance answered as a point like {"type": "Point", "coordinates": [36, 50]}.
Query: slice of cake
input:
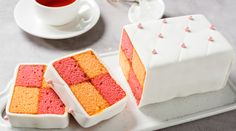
{"type": "Point", "coordinates": [33, 103]}
{"type": "Point", "coordinates": [85, 85]}
{"type": "Point", "coordinates": [174, 57]}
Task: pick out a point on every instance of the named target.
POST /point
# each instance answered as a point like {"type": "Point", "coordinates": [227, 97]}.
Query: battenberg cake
{"type": "Point", "coordinates": [174, 57]}
{"type": "Point", "coordinates": [86, 87]}
{"type": "Point", "coordinates": [33, 102]}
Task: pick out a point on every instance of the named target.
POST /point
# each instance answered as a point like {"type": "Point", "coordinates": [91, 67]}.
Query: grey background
{"type": "Point", "coordinates": [17, 46]}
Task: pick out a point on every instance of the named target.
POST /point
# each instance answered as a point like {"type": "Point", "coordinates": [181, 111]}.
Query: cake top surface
{"type": "Point", "coordinates": [177, 39]}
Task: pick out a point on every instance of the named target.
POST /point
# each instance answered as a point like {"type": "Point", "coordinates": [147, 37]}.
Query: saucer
{"type": "Point", "coordinates": [146, 10]}
{"type": "Point", "coordinates": [27, 20]}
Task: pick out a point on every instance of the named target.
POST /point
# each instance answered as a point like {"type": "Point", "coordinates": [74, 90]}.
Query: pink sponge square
{"type": "Point", "coordinates": [108, 88]}
{"type": "Point", "coordinates": [126, 45]}
{"type": "Point", "coordinates": [69, 70]}
{"type": "Point", "coordinates": [49, 102]}
{"type": "Point", "coordinates": [30, 75]}
{"type": "Point", "coordinates": [135, 86]}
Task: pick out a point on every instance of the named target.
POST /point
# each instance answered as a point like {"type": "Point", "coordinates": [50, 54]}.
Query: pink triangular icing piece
{"type": "Point", "coordinates": [160, 35]}
{"type": "Point", "coordinates": [140, 26]}
{"type": "Point", "coordinates": [187, 29]}
{"type": "Point", "coordinates": [5, 117]}
{"type": "Point", "coordinates": [190, 18]}
{"type": "Point", "coordinates": [154, 52]}
{"type": "Point", "coordinates": [164, 21]}
{"type": "Point", "coordinates": [211, 39]}
{"type": "Point", "coordinates": [71, 111]}
{"type": "Point", "coordinates": [212, 27]}
{"type": "Point", "coordinates": [183, 45]}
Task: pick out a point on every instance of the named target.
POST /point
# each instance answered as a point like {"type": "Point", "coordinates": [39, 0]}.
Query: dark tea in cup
{"type": "Point", "coordinates": [55, 3]}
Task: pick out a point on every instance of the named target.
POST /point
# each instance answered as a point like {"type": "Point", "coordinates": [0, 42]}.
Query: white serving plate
{"type": "Point", "coordinates": [151, 117]}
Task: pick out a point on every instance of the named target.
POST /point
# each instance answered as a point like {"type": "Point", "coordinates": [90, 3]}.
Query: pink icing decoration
{"type": "Point", "coordinates": [71, 110]}
{"type": "Point", "coordinates": [187, 29]}
{"type": "Point", "coordinates": [50, 83]}
{"type": "Point", "coordinates": [5, 117]}
{"type": "Point", "coordinates": [154, 51]}
{"type": "Point", "coordinates": [160, 36]}
{"type": "Point", "coordinates": [183, 45]}
{"type": "Point", "coordinates": [164, 21]}
{"type": "Point", "coordinates": [140, 26]}
{"type": "Point", "coordinates": [190, 18]}
{"type": "Point", "coordinates": [212, 27]}
{"type": "Point", "coordinates": [210, 39]}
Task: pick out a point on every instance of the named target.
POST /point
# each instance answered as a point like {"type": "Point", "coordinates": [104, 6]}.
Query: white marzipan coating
{"type": "Point", "coordinates": [203, 64]}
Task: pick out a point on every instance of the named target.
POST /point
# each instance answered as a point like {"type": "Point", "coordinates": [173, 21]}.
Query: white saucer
{"type": "Point", "coordinates": [25, 18]}
{"type": "Point", "coordinates": [150, 10]}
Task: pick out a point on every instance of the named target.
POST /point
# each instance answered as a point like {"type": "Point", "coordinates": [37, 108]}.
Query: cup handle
{"type": "Point", "coordinates": [84, 6]}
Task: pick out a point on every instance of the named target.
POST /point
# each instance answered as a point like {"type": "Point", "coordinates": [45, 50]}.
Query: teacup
{"type": "Point", "coordinates": [57, 12]}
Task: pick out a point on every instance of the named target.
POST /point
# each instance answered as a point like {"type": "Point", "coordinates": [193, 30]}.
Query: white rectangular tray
{"type": "Point", "coordinates": [156, 116]}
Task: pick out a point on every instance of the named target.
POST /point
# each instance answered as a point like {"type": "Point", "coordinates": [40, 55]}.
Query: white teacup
{"type": "Point", "coordinates": [61, 15]}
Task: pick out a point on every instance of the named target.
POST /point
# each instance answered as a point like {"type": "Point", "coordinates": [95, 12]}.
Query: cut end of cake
{"type": "Point", "coordinates": [132, 66]}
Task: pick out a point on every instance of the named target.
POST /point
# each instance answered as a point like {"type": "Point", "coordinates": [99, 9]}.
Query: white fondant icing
{"type": "Point", "coordinates": [66, 95]}
{"type": "Point", "coordinates": [44, 121]}
{"type": "Point", "coordinates": [176, 71]}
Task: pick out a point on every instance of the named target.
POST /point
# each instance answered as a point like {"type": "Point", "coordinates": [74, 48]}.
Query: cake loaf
{"type": "Point", "coordinates": [174, 57]}
{"type": "Point", "coordinates": [86, 87]}
{"type": "Point", "coordinates": [33, 102]}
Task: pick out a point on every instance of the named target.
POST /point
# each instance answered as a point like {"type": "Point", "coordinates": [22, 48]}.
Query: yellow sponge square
{"type": "Point", "coordinates": [90, 64]}
{"type": "Point", "coordinates": [124, 63]}
{"type": "Point", "coordinates": [138, 68]}
{"type": "Point", "coordinates": [24, 100]}
{"type": "Point", "coordinates": [89, 98]}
